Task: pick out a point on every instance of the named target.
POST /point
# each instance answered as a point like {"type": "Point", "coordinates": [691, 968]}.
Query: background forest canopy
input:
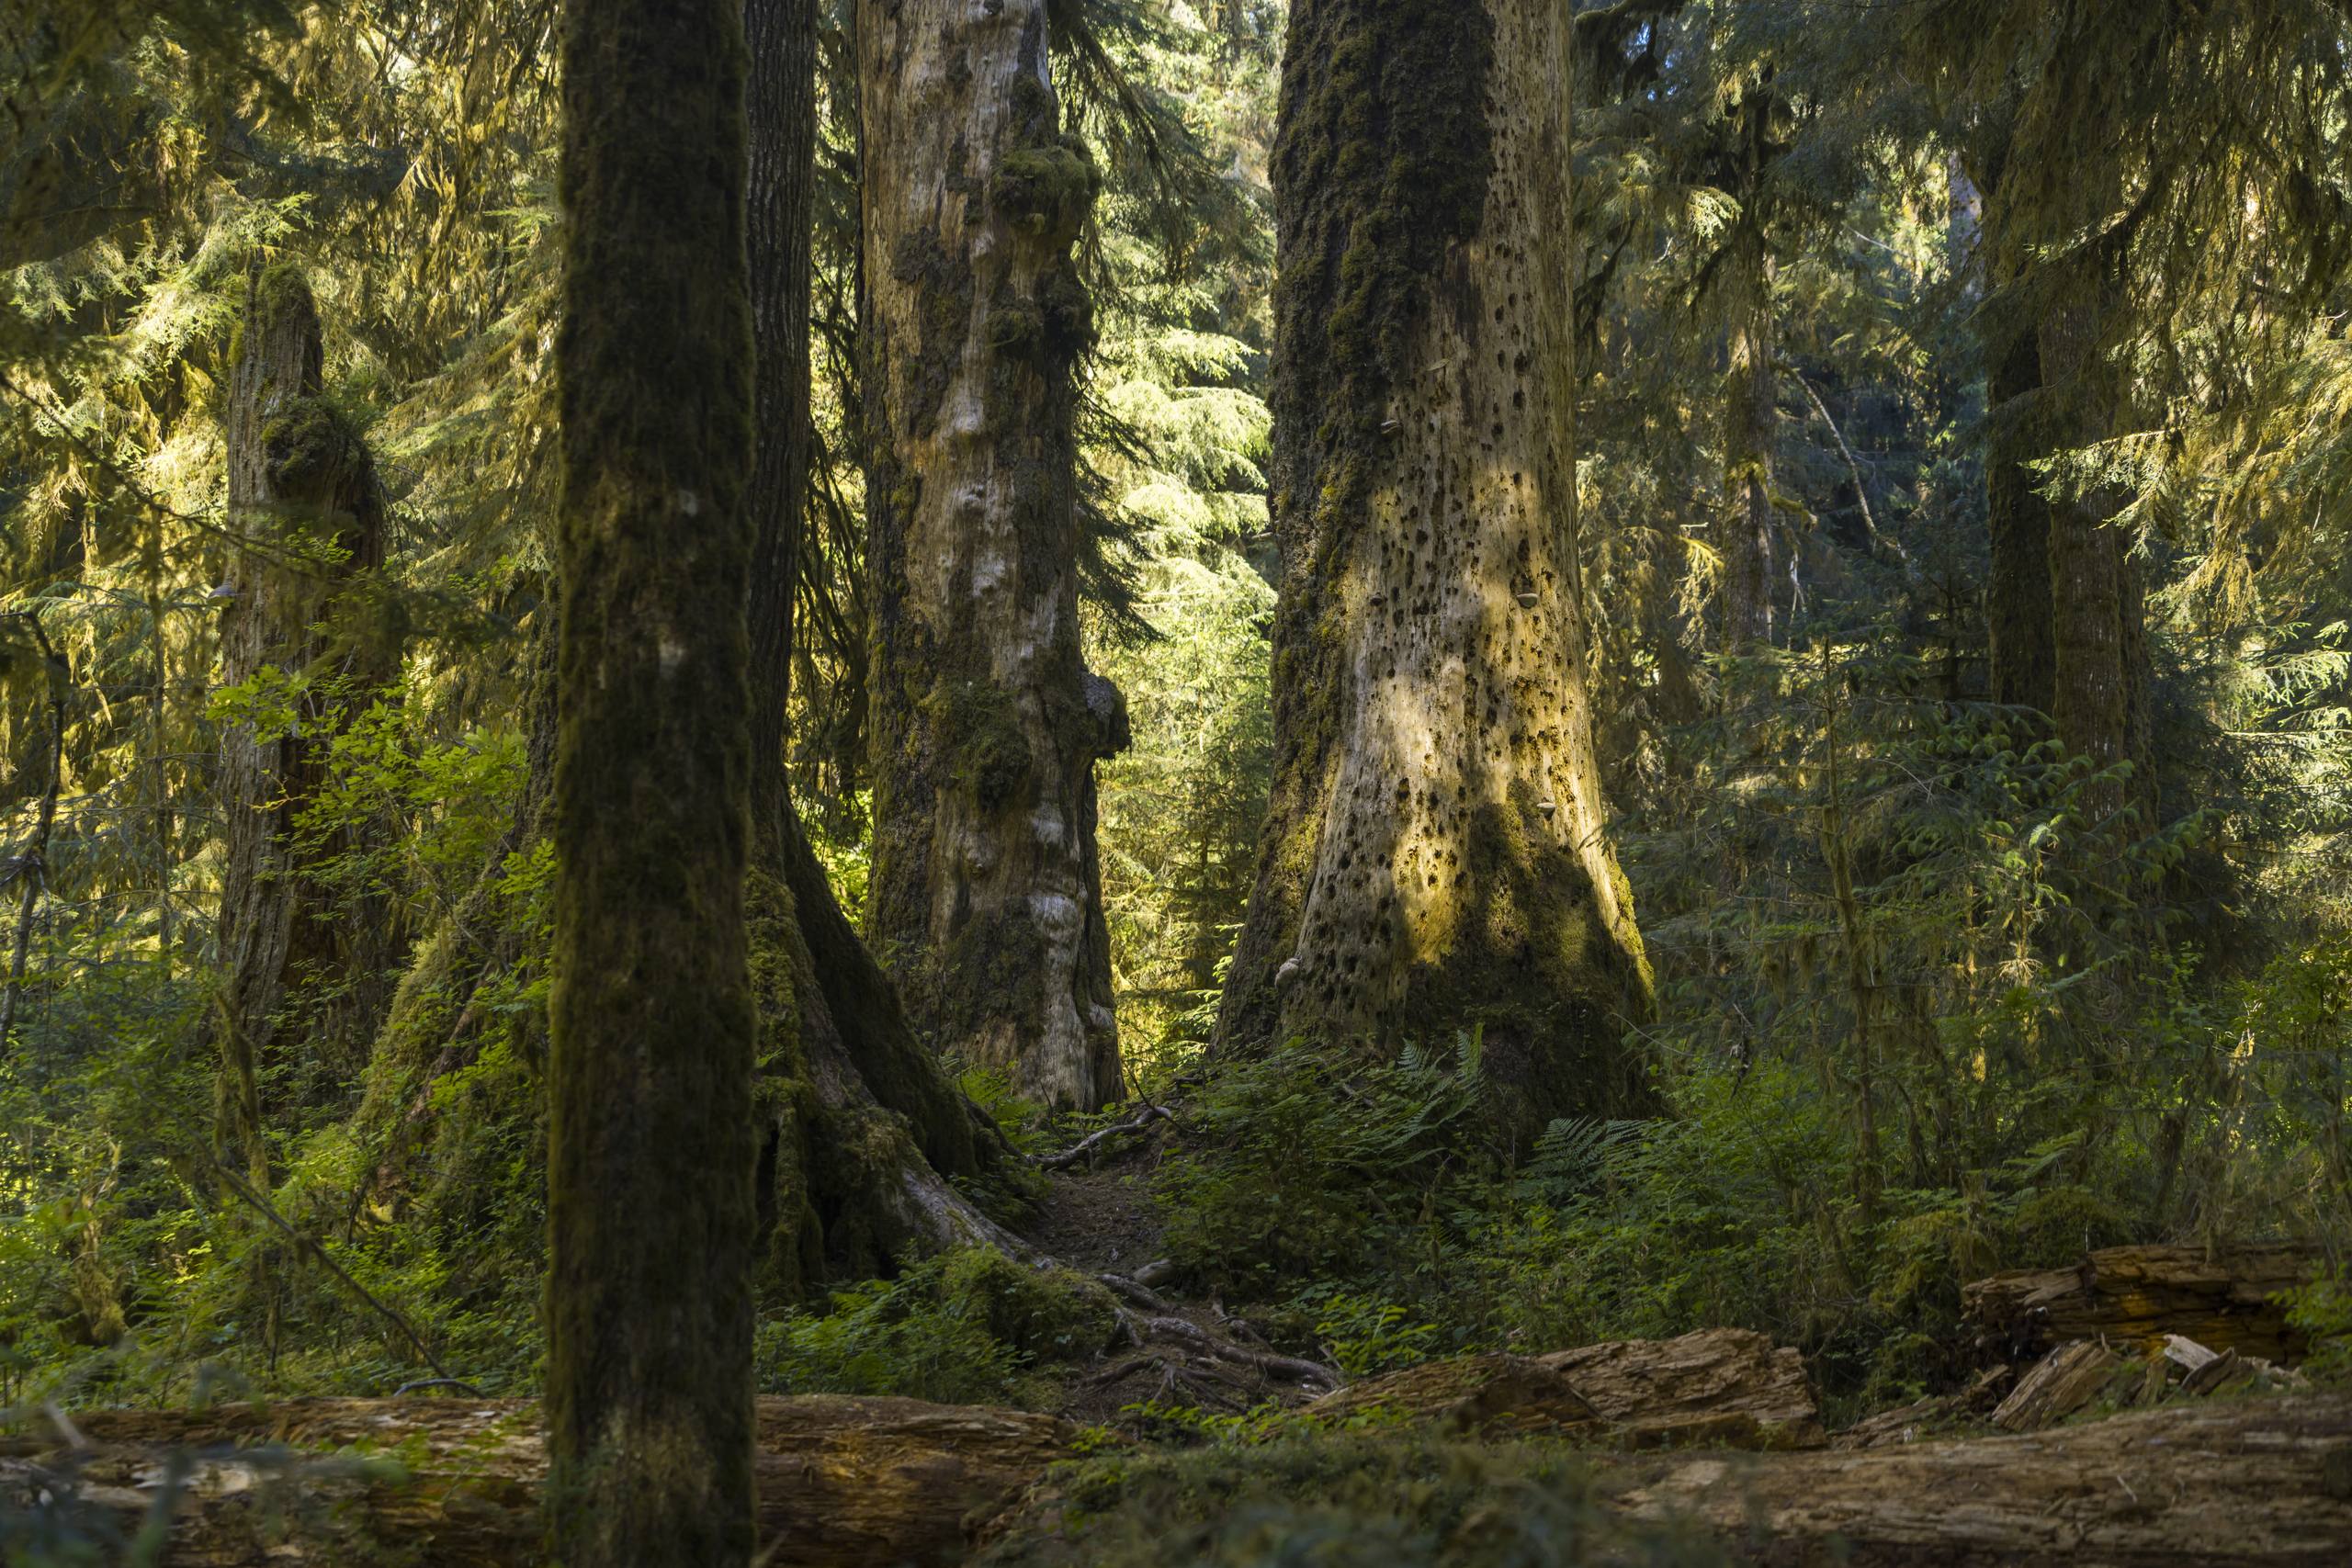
{"type": "Point", "coordinates": [1947, 583]}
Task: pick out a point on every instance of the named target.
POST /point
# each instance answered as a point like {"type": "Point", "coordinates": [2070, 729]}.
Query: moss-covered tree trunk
{"type": "Point", "coordinates": [860, 1126]}
{"type": "Point", "coordinates": [984, 737]}
{"type": "Point", "coordinates": [651, 1150]}
{"type": "Point", "coordinates": [304, 964]}
{"type": "Point", "coordinates": [1435, 855]}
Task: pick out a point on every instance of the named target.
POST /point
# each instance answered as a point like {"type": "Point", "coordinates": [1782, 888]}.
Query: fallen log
{"type": "Point", "coordinates": [2247, 1483]}
{"type": "Point", "coordinates": [844, 1483]}
{"type": "Point", "coordinates": [1488, 1395]}
{"type": "Point", "coordinates": [2244, 1483]}
{"type": "Point", "coordinates": [2134, 1297]}
{"type": "Point", "coordinates": [1712, 1386]}
{"type": "Point", "coordinates": [1723, 1387]}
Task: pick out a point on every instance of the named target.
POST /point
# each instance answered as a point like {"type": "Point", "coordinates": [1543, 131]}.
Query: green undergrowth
{"type": "Point", "coordinates": [1366, 1213]}
{"type": "Point", "coordinates": [967, 1328]}
{"type": "Point", "coordinates": [1333, 1500]}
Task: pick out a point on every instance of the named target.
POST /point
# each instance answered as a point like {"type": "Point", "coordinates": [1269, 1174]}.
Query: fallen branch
{"type": "Point", "coordinates": [1080, 1150]}
{"type": "Point", "coordinates": [268, 1211]}
{"type": "Point", "coordinates": [1287, 1367]}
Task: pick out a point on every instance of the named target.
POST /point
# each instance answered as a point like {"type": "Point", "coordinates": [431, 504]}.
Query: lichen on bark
{"type": "Point", "coordinates": [1434, 861]}
{"type": "Point", "coordinates": [985, 891]}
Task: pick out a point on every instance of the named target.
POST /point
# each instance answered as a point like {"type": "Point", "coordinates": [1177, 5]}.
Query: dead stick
{"type": "Point", "coordinates": [269, 1211]}
{"type": "Point", "coordinates": [1078, 1151]}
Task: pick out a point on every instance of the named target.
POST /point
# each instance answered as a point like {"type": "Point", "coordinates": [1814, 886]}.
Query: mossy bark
{"type": "Point", "coordinates": [304, 966]}
{"type": "Point", "coordinates": [1435, 855]}
{"type": "Point", "coordinates": [861, 1127]}
{"type": "Point", "coordinates": [652, 1211]}
{"type": "Point", "coordinates": [984, 886]}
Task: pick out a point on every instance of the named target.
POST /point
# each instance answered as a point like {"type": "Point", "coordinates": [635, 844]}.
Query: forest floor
{"type": "Point", "coordinates": [1100, 1219]}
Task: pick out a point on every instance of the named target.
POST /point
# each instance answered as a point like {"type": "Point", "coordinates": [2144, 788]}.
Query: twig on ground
{"type": "Point", "coordinates": [1289, 1367]}
{"type": "Point", "coordinates": [1136, 1294]}
{"type": "Point", "coordinates": [1085, 1146]}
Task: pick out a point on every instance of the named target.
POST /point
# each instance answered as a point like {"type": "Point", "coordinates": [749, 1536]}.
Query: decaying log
{"type": "Point", "coordinates": [1729, 1386]}
{"type": "Point", "coordinates": [1726, 1387]}
{"type": "Point", "coordinates": [844, 1483]}
{"type": "Point", "coordinates": [2248, 1483]}
{"type": "Point", "coordinates": [1927, 1418]}
{"type": "Point", "coordinates": [1492, 1396]}
{"type": "Point", "coordinates": [2134, 1296]}
{"type": "Point", "coordinates": [2061, 1383]}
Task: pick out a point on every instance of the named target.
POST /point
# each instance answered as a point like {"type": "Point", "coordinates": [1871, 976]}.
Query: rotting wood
{"type": "Point", "coordinates": [1493, 1396]}
{"type": "Point", "coordinates": [2134, 1296]}
{"type": "Point", "coordinates": [2248, 1483]}
{"type": "Point", "coordinates": [2062, 1382]}
{"type": "Point", "coordinates": [844, 1483]}
{"type": "Point", "coordinates": [1720, 1385]}
{"type": "Point", "coordinates": [851, 1482]}
{"type": "Point", "coordinates": [1727, 1387]}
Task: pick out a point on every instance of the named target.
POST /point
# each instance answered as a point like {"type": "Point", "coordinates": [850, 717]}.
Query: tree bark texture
{"type": "Point", "coordinates": [651, 1156]}
{"type": "Point", "coordinates": [861, 1127]}
{"type": "Point", "coordinates": [304, 966]}
{"type": "Point", "coordinates": [984, 738]}
{"type": "Point", "coordinates": [2018, 605]}
{"type": "Point", "coordinates": [1434, 857]}
{"type": "Point", "coordinates": [870, 1482]}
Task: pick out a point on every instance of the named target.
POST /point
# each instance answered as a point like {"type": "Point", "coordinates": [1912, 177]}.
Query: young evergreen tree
{"type": "Point", "coordinates": [1435, 855]}
{"type": "Point", "coordinates": [651, 1165]}
{"type": "Point", "coordinates": [303, 965]}
{"type": "Point", "coordinates": [986, 723]}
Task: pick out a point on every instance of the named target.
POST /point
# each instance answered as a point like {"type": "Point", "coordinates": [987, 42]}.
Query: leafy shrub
{"type": "Point", "coordinates": [1303, 1166]}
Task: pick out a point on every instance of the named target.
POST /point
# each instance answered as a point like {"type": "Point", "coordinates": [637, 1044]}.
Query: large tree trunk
{"type": "Point", "coordinates": [2018, 607]}
{"type": "Point", "coordinates": [984, 738]}
{"type": "Point", "coordinates": [1434, 857]}
{"type": "Point", "coordinates": [305, 964]}
{"type": "Point", "coordinates": [873, 1484]}
{"type": "Point", "coordinates": [650, 1154]}
{"type": "Point", "coordinates": [862, 1127]}
{"type": "Point", "coordinates": [2065, 600]}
